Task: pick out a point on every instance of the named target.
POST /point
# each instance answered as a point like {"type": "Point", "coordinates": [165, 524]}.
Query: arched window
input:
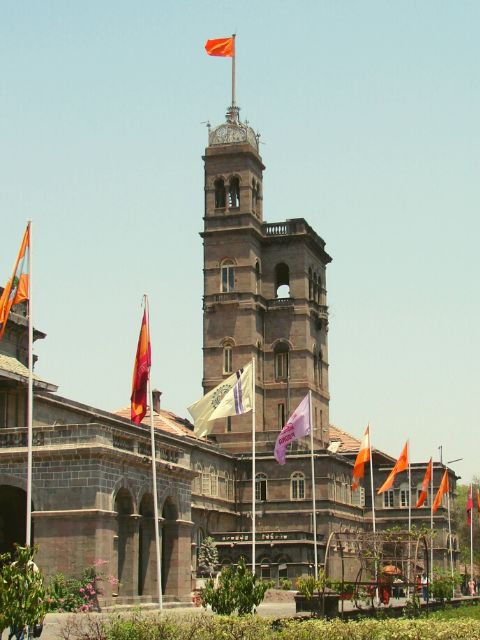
{"type": "Point", "coordinates": [297, 486]}
{"type": "Point", "coordinates": [260, 487]}
{"type": "Point", "coordinates": [310, 284]}
{"type": "Point", "coordinates": [265, 568]}
{"type": "Point", "coordinates": [227, 359]}
{"type": "Point", "coordinates": [220, 195]}
{"type": "Point", "coordinates": [206, 481]}
{"type": "Point", "coordinates": [427, 499]}
{"type": "Point", "coordinates": [282, 280]}
{"type": "Point", "coordinates": [404, 495]}
{"type": "Point", "coordinates": [257, 276]}
{"type": "Point", "coordinates": [234, 193]}
{"type": "Point", "coordinates": [228, 487]}
{"type": "Point", "coordinates": [282, 361]}
{"type": "Point", "coordinates": [197, 481]}
{"type": "Point", "coordinates": [228, 276]}
{"type": "Point", "coordinates": [213, 481]}
{"type": "Point", "coordinates": [281, 418]}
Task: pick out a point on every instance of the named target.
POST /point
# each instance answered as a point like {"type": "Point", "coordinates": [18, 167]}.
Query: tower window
{"type": "Point", "coordinates": [220, 196]}
{"type": "Point", "coordinates": [297, 486]}
{"type": "Point", "coordinates": [257, 277]}
{"type": "Point", "coordinates": [281, 415]}
{"type": "Point", "coordinates": [227, 360]}
{"type": "Point", "coordinates": [281, 362]}
{"type": "Point", "coordinates": [260, 487]}
{"type": "Point", "coordinates": [234, 193]}
{"type": "Point", "coordinates": [282, 280]}
{"type": "Point", "coordinates": [228, 276]}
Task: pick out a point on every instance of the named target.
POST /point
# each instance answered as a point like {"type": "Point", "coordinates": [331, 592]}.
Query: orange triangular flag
{"type": "Point", "coordinates": [16, 289]}
{"type": "Point", "coordinates": [442, 489]}
{"type": "Point", "coordinates": [425, 484]}
{"type": "Point", "coordinates": [363, 456]}
{"type": "Point", "coordinates": [400, 465]}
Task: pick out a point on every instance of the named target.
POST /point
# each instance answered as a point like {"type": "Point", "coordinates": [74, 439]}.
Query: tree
{"type": "Point", "coordinates": [22, 594]}
{"type": "Point", "coordinates": [460, 525]}
{"type": "Point", "coordinates": [207, 556]}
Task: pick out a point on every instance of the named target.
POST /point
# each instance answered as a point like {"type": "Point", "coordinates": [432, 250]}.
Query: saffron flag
{"type": "Point", "coordinates": [400, 465]}
{"type": "Point", "coordinates": [141, 372]}
{"type": "Point", "coordinates": [478, 501]}
{"type": "Point", "coordinates": [224, 47]}
{"type": "Point", "coordinates": [298, 426]}
{"type": "Point", "coordinates": [425, 484]}
{"type": "Point", "coordinates": [16, 289]}
{"type": "Point", "coordinates": [442, 489]}
{"type": "Point", "coordinates": [232, 397]}
{"type": "Point", "coordinates": [469, 505]}
{"type": "Point", "coordinates": [363, 456]}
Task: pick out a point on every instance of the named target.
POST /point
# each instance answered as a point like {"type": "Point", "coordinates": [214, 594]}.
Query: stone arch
{"type": "Point", "coordinates": [124, 506]}
{"type": "Point", "coordinates": [123, 483]}
{"type": "Point", "coordinates": [13, 508]}
{"type": "Point", "coordinates": [21, 483]}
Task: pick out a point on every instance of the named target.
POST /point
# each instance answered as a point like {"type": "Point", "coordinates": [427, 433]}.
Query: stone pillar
{"type": "Point", "coordinates": [176, 560]}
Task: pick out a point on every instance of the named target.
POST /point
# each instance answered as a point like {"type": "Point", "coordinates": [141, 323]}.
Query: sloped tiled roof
{"type": "Point", "coordinates": [349, 444]}
{"type": "Point", "coordinates": [12, 368]}
{"type": "Point", "coordinates": [164, 421]}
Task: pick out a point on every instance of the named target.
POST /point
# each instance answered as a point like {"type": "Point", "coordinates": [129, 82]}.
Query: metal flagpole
{"type": "Point", "coordinates": [431, 526]}
{"type": "Point", "coordinates": [315, 552]}
{"type": "Point", "coordinates": [471, 533]}
{"type": "Point", "coordinates": [233, 71]}
{"type": "Point", "coordinates": [409, 518]}
{"type": "Point", "coordinates": [450, 536]}
{"type": "Point", "coordinates": [154, 475]}
{"type": "Point", "coordinates": [373, 515]}
{"type": "Point", "coordinates": [30, 393]}
{"type": "Point", "coordinates": [254, 494]}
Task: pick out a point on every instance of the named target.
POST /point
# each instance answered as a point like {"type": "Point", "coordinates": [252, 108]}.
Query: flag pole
{"type": "Point", "coordinates": [431, 526]}
{"type": "Point", "coordinates": [450, 534]}
{"type": "Point", "coordinates": [471, 532]}
{"type": "Point", "coordinates": [233, 70]}
{"type": "Point", "coordinates": [254, 484]}
{"type": "Point", "coordinates": [315, 552]}
{"type": "Point", "coordinates": [29, 393]}
{"type": "Point", "coordinates": [154, 474]}
{"type": "Point", "coordinates": [373, 515]}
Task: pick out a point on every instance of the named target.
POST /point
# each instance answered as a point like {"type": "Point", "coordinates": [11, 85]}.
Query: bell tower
{"type": "Point", "coordinates": [264, 294]}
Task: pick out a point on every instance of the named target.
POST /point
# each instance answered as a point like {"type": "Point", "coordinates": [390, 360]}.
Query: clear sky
{"type": "Point", "coordinates": [369, 115]}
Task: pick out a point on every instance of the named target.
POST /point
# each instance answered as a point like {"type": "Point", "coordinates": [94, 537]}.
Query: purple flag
{"type": "Point", "coordinates": [298, 426]}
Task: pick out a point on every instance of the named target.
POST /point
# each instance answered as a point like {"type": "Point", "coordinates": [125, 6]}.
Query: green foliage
{"type": "Point", "coordinates": [460, 525]}
{"type": "Point", "coordinates": [444, 584]}
{"type": "Point", "coordinates": [22, 594]}
{"type": "Point", "coordinates": [238, 590]}
{"type": "Point", "coordinates": [285, 584]}
{"type": "Point", "coordinates": [72, 594]}
{"type": "Point", "coordinates": [207, 556]}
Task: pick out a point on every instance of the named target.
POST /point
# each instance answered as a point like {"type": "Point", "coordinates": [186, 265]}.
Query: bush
{"type": "Point", "coordinates": [238, 590]}
{"type": "Point", "coordinates": [285, 584]}
{"type": "Point", "coordinates": [72, 594]}
{"type": "Point", "coordinates": [444, 585]}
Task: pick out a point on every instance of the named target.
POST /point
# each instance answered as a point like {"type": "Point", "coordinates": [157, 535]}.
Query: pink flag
{"type": "Point", "coordinates": [298, 426]}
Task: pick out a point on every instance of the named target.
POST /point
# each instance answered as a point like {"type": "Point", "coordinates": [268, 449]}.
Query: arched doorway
{"type": "Point", "coordinates": [169, 545]}
{"type": "Point", "coordinates": [13, 507]}
{"type": "Point", "coordinates": [146, 547]}
{"type": "Point", "coordinates": [125, 541]}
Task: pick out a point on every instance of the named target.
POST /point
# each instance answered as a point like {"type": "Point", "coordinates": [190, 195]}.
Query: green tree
{"type": "Point", "coordinates": [238, 590]}
{"type": "Point", "coordinates": [460, 525]}
{"type": "Point", "coordinates": [22, 594]}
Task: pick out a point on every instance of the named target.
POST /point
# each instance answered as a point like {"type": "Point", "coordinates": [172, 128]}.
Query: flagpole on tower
{"type": "Point", "coordinates": [29, 393]}
{"type": "Point", "coordinates": [233, 70]}
{"type": "Point", "coordinates": [154, 472]}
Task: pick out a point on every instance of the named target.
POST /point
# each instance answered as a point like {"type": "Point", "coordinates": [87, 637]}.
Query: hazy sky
{"type": "Point", "coordinates": [369, 117]}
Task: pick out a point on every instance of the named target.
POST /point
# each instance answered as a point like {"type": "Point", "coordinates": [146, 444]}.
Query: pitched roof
{"type": "Point", "coordinates": [349, 444]}
{"type": "Point", "coordinates": [164, 421]}
{"type": "Point", "coordinates": [13, 369]}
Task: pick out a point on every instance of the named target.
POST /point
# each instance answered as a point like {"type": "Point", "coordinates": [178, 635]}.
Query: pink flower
{"type": "Point", "coordinates": [82, 590]}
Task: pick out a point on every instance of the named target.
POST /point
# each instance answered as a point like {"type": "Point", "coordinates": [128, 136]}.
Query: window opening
{"type": "Point", "coordinates": [388, 499]}
{"type": "Point", "coordinates": [260, 487]}
{"type": "Point", "coordinates": [227, 360]}
{"type": "Point", "coordinates": [282, 280]}
{"type": "Point", "coordinates": [228, 276]}
{"type": "Point", "coordinates": [297, 486]}
{"type": "Point", "coordinates": [234, 193]}
{"type": "Point", "coordinates": [220, 196]}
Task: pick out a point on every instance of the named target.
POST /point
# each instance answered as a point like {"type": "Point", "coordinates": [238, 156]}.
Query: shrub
{"type": "Point", "coordinates": [285, 584]}
{"type": "Point", "coordinates": [238, 590]}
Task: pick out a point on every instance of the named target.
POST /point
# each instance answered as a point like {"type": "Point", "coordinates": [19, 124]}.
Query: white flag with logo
{"type": "Point", "coordinates": [231, 397]}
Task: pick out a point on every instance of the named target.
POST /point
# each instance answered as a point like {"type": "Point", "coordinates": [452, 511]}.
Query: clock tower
{"type": "Point", "coordinates": [264, 295]}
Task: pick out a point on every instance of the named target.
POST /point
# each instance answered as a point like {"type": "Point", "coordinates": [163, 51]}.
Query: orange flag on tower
{"type": "Point", "coordinates": [442, 489]}
{"type": "Point", "coordinates": [400, 465]}
{"type": "Point", "coordinates": [223, 47]}
{"type": "Point", "coordinates": [16, 289]}
{"type": "Point", "coordinates": [425, 484]}
{"type": "Point", "coordinates": [363, 456]}
{"type": "Point", "coordinates": [141, 372]}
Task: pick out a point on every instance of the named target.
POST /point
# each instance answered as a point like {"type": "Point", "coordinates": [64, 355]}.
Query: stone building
{"type": "Point", "coordinates": [264, 298]}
